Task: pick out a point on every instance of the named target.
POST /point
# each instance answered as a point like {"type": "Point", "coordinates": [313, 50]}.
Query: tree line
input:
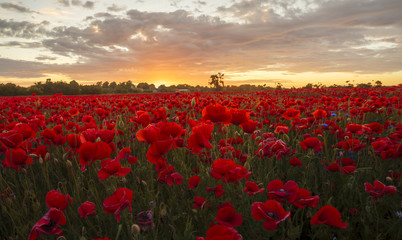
{"type": "Point", "coordinates": [216, 83]}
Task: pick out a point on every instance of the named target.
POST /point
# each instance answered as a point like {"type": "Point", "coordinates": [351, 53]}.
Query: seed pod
{"type": "Point", "coordinates": [135, 230]}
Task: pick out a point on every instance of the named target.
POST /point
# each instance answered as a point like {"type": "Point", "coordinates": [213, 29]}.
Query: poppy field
{"type": "Point", "coordinates": [280, 164]}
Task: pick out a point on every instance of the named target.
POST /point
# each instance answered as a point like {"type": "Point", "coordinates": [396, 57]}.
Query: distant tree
{"type": "Point", "coordinates": [216, 80]}
{"type": "Point", "coordinates": [279, 86]}
{"type": "Point", "coordinates": [113, 85]}
{"type": "Point", "coordinates": [74, 87]}
{"type": "Point", "coordinates": [105, 84]}
{"type": "Point", "coordinates": [378, 83]}
{"type": "Point", "coordinates": [163, 88]}
{"type": "Point", "coordinates": [144, 86]}
{"type": "Point", "coordinates": [308, 86]}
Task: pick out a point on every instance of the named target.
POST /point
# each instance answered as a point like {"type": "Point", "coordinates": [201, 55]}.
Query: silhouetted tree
{"type": "Point", "coordinates": [378, 83]}
{"type": "Point", "coordinates": [216, 80]}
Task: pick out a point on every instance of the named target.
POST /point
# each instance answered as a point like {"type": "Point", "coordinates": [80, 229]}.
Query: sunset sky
{"type": "Point", "coordinates": [293, 42]}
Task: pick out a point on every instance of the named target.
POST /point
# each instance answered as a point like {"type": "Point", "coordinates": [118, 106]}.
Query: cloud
{"type": "Point", "coordinates": [21, 69]}
{"type": "Point", "coordinates": [24, 29]}
{"type": "Point", "coordinates": [79, 3]}
{"type": "Point", "coordinates": [352, 36]}
{"type": "Point", "coordinates": [115, 8]}
{"type": "Point", "coordinates": [257, 81]}
{"type": "Point", "coordinates": [15, 7]}
{"type": "Point", "coordinates": [21, 44]}
{"type": "Point", "coordinates": [43, 58]}
{"type": "Point", "coordinates": [64, 3]}
{"type": "Point", "coordinates": [89, 4]}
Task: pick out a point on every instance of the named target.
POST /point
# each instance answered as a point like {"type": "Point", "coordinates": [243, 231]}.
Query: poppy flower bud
{"type": "Point", "coordinates": [62, 238]}
{"type": "Point", "coordinates": [33, 155]}
{"type": "Point", "coordinates": [65, 156]}
{"type": "Point", "coordinates": [55, 160]}
{"type": "Point", "coordinates": [135, 230]}
{"type": "Point", "coordinates": [144, 183]}
{"type": "Point", "coordinates": [121, 123]}
{"type": "Point", "coordinates": [163, 211]}
{"type": "Point", "coordinates": [389, 179]}
{"type": "Point", "coordinates": [47, 156]}
{"type": "Point", "coordinates": [40, 160]}
{"type": "Point", "coordinates": [69, 164]}
{"type": "Point", "coordinates": [124, 180]}
{"type": "Point", "coordinates": [286, 137]}
{"type": "Point", "coordinates": [247, 166]}
{"type": "Point", "coordinates": [193, 102]}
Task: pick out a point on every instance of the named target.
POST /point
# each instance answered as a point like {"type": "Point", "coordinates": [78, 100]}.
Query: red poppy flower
{"type": "Point", "coordinates": [249, 126]}
{"type": "Point", "coordinates": [106, 135]}
{"type": "Point", "coordinates": [149, 134]}
{"type": "Point", "coordinates": [354, 128]}
{"type": "Point", "coordinates": [379, 189]}
{"type": "Point", "coordinates": [11, 138]}
{"type": "Point", "coordinates": [291, 113]}
{"type": "Point", "coordinates": [125, 154]}
{"type": "Point", "coordinates": [200, 203]}
{"type": "Point", "coordinates": [216, 113]}
{"type": "Point", "coordinates": [218, 190]}
{"type": "Point", "coordinates": [111, 167]}
{"type": "Point", "coordinates": [17, 158]}
{"type": "Point", "coordinates": [328, 215]}
{"type": "Point", "coordinates": [375, 127]}
{"type": "Point", "coordinates": [304, 199]}
{"type": "Point", "coordinates": [89, 134]}
{"type": "Point", "coordinates": [193, 182]}
{"type": "Point", "coordinates": [271, 212]}
{"type": "Point", "coordinates": [158, 149]}
{"type": "Point", "coordinates": [319, 114]}
{"type": "Point", "coordinates": [220, 232]}
{"type": "Point", "coordinates": [333, 167]}
{"type": "Point", "coordinates": [352, 145]}
{"type": "Point", "coordinates": [228, 170]}
{"type": "Point", "coordinates": [270, 148]}
{"type": "Point", "coordinates": [90, 152]}
{"type": "Point", "coordinates": [252, 188]}
{"type": "Point", "coordinates": [294, 161]}
{"type": "Point", "coordinates": [282, 192]}
{"type": "Point", "coordinates": [313, 143]}
{"type": "Point", "coordinates": [74, 140]}
{"type": "Point", "coordinates": [73, 112]}
{"type": "Point", "coordinates": [199, 138]}
{"type": "Point", "coordinates": [227, 216]}
{"type": "Point", "coordinates": [282, 130]}
{"type": "Point", "coordinates": [170, 129]}
{"type": "Point", "coordinates": [239, 116]}
{"type": "Point", "coordinates": [119, 200]}
{"type": "Point", "coordinates": [49, 135]}
{"type": "Point", "coordinates": [143, 118]}
{"type": "Point", "coordinates": [25, 130]}
{"type": "Point", "coordinates": [48, 225]}
{"type": "Point", "coordinates": [54, 199]}
{"type": "Point", "coordinates": [167, 174]}
{"type": "Point", "coordinates": [86, 209]}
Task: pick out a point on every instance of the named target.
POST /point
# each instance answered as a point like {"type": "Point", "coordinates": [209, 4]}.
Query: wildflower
{"type": "Point", "coordinates": [328, 215]}
{"type": "Point", "coordinates": [144, 220]}
{"type": "Point", "coordinates": [271, 212]}
{"type": "Point", "coordinates": [119, 200]}
{"type": "Point", "coordinates": [86, 209]}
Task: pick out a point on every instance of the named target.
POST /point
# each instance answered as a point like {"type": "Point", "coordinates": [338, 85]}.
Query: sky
{"type": "Point", "coordinates": [292, 42]}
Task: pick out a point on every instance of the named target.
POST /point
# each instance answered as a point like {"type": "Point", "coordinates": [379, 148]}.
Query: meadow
{"type": "Point", "coordinates": [280, 164]}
